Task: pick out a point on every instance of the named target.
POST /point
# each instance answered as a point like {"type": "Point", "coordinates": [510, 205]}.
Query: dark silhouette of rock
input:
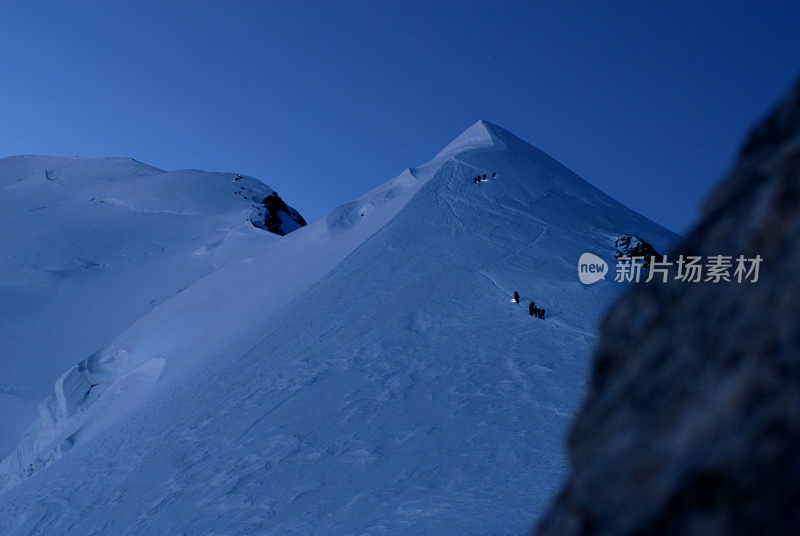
{"type": "Point", "coordinates": [692, 422]}
{"type": "Point", "coordinates": [635, 246]}
{"type": "Point", "coordinates": [278, 217]}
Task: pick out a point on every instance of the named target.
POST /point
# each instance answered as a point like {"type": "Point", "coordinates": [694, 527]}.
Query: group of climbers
{"type": "Point", "coordinates": [483, 178]}
{"type": "Point", "coordinates": [538, 312]}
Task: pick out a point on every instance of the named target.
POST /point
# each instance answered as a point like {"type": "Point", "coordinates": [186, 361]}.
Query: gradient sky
{"type": "Point", "coordinates": [325, 100]}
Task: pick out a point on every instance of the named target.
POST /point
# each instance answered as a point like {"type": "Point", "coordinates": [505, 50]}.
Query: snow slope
{"type": "Point", "coordinates": [89, 245]}
{"type": "Point", "coordinates": [366, 374]}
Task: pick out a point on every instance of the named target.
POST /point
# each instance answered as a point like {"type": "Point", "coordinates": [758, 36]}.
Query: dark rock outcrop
{"type": "Point", "coordinates": [692, 422]}
{"type": "Point", "coordinates": [634, 246]}
{"type": "Point", "coordinates": [277, 217]}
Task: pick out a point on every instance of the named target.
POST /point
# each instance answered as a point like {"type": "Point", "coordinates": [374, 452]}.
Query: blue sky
{"type": "Point", "coordinates": [324, 100]}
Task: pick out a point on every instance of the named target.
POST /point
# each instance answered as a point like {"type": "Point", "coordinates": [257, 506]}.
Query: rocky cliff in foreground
{"type": "Point", "coordinates": [692, 422]}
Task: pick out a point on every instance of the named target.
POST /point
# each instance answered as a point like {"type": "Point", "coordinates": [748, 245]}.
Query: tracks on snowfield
{"type": "Point", "coordinates": [507, 292]}
{"type": "Point", "coordinates": [520, 250]}
{"type": "Point", "coordinates": [473, 166]}
{"type": "Point", "coordinates": [482, 271]}
{"type": "Point", "coordinates": [495, 283]}
{"type": "Point", "coordinates": [570, 328]}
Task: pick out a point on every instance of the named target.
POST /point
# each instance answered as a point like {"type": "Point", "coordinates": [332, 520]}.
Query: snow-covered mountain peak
{"type": "Point", "coordinates": [478, 136]}
{"type": "Point", "coordinates": [368, 373]}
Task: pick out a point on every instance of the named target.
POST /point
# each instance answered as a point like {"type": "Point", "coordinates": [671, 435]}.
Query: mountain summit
{"type": "Point", "coordinates": [477, 136]}
{"type": "Point", "coordinates": [367, 373]}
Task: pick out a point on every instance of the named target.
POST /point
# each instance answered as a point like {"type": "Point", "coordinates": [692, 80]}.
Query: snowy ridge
{"type": "Point", "coordinates": [381, 201]}
{"type": "Point", "coordinates": [367, 373]}
{"type": "Point", "coordinates": [478, 136]}
{"type": "Point", "coordinates": [169, 330]}
{"type": "Point", "coordinates": [19, 171]}
{"type": "Point", "coordinates": [92, 244]}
